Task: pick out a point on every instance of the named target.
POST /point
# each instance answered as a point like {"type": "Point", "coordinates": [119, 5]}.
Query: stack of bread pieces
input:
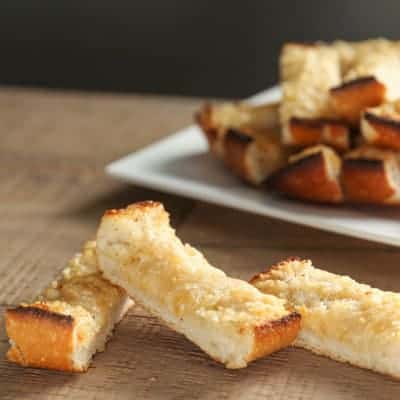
{"type": "Point", "coordinates": [138, 254]}
{"type": "Point", "coordinates": [335, 135]}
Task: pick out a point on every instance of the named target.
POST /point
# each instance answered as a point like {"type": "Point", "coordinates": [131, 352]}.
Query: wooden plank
{"type": "Point", "coordinates": [89, 126]}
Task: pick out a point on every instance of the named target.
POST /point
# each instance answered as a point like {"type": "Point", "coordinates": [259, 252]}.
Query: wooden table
{"type": "Point", "coordinates": [53, 147]}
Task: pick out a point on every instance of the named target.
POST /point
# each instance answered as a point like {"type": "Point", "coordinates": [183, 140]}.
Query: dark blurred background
{"type": "Point", "coordinates": [199, 48]}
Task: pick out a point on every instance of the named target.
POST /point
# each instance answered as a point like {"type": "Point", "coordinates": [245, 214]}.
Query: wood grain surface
{"type": "Point", "coordinates": [53, 148]}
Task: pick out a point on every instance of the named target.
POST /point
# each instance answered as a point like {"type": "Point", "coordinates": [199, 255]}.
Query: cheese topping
{"type": "Point", "coordinates": [82, 286]}
{"type": "Point", "coordinates": [307, 74]}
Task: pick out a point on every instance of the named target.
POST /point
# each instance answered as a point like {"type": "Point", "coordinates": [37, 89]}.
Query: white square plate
{"type": "Point", "coordinates": [180, 164]}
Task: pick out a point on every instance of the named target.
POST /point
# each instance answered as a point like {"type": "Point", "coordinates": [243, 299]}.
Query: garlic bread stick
{"type": "Point", "coordinates": [341, 318]}
{"type": "Point", "coordinates": [228, 318]}
{"type": "Point", "coordinates": [70, 321]}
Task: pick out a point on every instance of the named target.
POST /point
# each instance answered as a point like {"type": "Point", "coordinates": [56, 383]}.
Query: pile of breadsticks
{"type": "Point", "coordinates": [335, 135]}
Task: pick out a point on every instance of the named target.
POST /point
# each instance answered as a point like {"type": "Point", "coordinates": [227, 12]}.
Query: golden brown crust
{"type": "Point", "coordinates": [263, 274]}
{"type": "Point", "coordinates": [336, 134]}
{"type": "Point", "coordinates": [275, 335]}
{"type": "Point", "coordinates": [140, 205]}
{"type": "Point", "coordinates": [312, 131]}
{"type": "Point", "coordinates": [365, 181]}
{"type": "Point", "coordinates": [43, 339]}
{"type": "Point", "coordinates": [387, 130]}
{"type": "Point", "coordinates": [352, 97]}
{"type": "Point", "coordinates": [305, 131]}
{"type": "Point", "coordinates": [307, 178]}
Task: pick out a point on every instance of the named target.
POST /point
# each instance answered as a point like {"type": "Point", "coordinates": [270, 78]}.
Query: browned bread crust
{"type": "Point", "coordinates": [352, 97]}
{"type": "Point", "coordinates": [387, 131]}
{"type": "Point", "coordinates": [304, 132]}
{"type": "Point", "coordinates": [380, 126]}
{"type": "Point", "coordinates": [44, 338]}
{"type": "Point", "coordinates": [275, 335]}
{"type": "Point", "coordinates": [310, 175]}
{"type": "Point", "coordinates": [371, 176]}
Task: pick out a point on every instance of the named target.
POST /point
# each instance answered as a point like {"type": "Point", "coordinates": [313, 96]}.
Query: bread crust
{"type": "Point", "coordinates": [308, 178]}
{"type": "Point", "coordinates": [381, 130]}
{"type": "Point", "coordinates": [366, 176]}
{"type": "Point", "coordinates": [260, 276]}
{"type": "Point", "coordinates": [43, 339]}
{"type": "Point", "coordinates": [311, 131]}
{"type": "Point", "coordinates": [138, 250]}
{"type": "Point", "coordinates": [351, 98]}
{"type": "Point", "coordinates": [304, 131]}
{"type": "Point", "coordinates": [275, 335]}
{"type": "Point", "coordinates": [365, 181]}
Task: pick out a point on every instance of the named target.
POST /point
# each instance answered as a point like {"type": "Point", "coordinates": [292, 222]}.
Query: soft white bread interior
{"type": "Point", "coordinates": [70, 321]}
{"type": "Point", "coordinates": [341, 318]}
{"type": "Point", "coordinates": [228, 318]}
